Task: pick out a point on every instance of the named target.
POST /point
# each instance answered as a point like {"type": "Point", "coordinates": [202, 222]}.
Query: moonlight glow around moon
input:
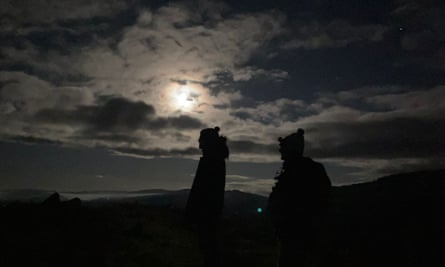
{"type": "Point", "coordinates": [184, 98]}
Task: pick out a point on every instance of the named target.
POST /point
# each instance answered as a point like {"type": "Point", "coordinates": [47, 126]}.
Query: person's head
{"type": "Point", "coordinates": [212, 144]}
{"type": "Point", "coordinates": [292, 146]}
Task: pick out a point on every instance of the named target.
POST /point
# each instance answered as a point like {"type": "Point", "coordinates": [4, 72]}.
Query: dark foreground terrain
{"type": "Point", "coordinates": [395, 221]}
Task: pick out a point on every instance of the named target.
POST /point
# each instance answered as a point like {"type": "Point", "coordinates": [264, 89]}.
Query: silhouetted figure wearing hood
{"type": "Point", "coordinates": [206, 199]}
{"type": "Point", "coordinates": [298, 199]}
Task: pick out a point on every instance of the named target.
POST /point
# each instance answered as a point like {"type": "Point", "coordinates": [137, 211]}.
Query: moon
{"type": "Point", "coordinates": [184, 98]}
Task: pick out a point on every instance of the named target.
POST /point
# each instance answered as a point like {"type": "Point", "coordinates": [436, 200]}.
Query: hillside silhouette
{"type": "Point", "coordinates": [396, 220]}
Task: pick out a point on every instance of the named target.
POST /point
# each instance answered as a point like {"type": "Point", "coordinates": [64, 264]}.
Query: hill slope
{"type": "Point", "coordinates": [397, 220]}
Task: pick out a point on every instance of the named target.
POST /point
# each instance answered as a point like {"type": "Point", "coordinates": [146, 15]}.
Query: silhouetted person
{"type": "Point", "coordinates": [298, 199]}
{"type": "Point", "coordinates": [206, 199]}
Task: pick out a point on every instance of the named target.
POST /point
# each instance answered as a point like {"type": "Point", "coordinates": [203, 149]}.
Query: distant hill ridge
{"type": "Point", "coordinates": [420, 182]}
{"type": "Point", "coordinates": [385, 193]}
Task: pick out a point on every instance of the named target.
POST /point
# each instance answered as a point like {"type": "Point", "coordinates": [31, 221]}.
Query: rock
{"type": "Point", "coordinates": [74, 203]}
{"type": "Point", "coordinates": [52, 201]}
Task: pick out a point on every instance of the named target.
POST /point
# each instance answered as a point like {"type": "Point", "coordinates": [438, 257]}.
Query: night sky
{"type": "Point", "coordinates": [111, 95]}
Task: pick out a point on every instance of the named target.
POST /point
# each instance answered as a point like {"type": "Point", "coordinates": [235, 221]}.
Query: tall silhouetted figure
{"type": "Point", "coordinates": [206, 199]}
{"type": "Point", "coordinates": [298, 199]}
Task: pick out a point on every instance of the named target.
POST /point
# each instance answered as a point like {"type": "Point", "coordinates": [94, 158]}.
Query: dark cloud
{"type": "Point", "coordinates": [159, 152]}
{"type": "Point", "coordinates": [250, 147]}
{"type": "Point", "coordinates": [47, 38]}
{"type": "Point", "coordinates": [58, 116]}
{"type": "Point", "coordinates": [34, 140]}
{"type": "Point", "coordinates": [391, 138]}
{"type": "Point", "coordinates": [48, 66]}
{"type": "Point", "coordinates": [180, 137]}
{"type": "Point", "coordinates": [274, 112]}
{"type": "Point", "coordinates": [117, 114]}
{"type": "Point", "coordinates": [180, 122]}
{"type": "Point", "coordinates": [113, 114]}
{"type": "Point", "coordinates": [109, 137]}
{"type": "Point", "coordinates": [120, 113]}
{"type": "Point", "coordinates": [44, 12]}
{"type": "Point", "coordinates": [291, 112]}
{"type": "Point", "coordinates": [244, 115]}
{"type": "Point", "coordinates": [414, 165]}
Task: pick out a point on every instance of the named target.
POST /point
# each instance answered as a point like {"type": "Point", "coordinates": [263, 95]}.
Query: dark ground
{"type": "Point", "coordinates": [123, 234]}
{"type": "Point", "coordinates": [395, 221]}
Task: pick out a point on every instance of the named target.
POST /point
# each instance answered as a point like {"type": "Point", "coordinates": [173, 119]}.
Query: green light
{"type": "Point", "coordinates": [259, 210]}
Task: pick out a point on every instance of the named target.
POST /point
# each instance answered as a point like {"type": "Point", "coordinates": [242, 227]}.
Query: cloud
{"type": "Point", "coordinates": [273, 112]}
{"type": "Point", "coordinates": [42, 11]}
{"type": "Point", "coordinates": [236, 177]}
{"type": "Point", "coordinates": [387, 124]}
{"type": "Point", "coordinates": [337, 33]}
{"type": "Point", "coordinates": [245, 74]}
{"type": "Point", "coordinates": [120, 113]}
{"type": "Point", "coordinates": [157, 152]}
{"type": "Point", "coordinates": [46, 38]}
{"type": "Point", "coordinates": [418, 103]}
{"type": "Point", "coordinates": [143, 61]}
{"type": "Point", "coordinates": [110, 139]}
{"type": "Point", "coordinates": [113, 114]}
{"type": "Point", "coordinates": [180, 122]}
{"type": "Point", "coordinates": [166, 45]}
{"type": "Point", "coordinates": [117, 114]}
{"type": "Point", "coordinates": [115, 83]}
{"type": "Point", "coordinates": [246, 146]}
{"type": "Point", "coordinates": [33, 140]}
{"type": "Point", "coordinates": [172, 44]}
{"type": "Point", "coordinates": [398, 129]}
{"type": "Point", "coordinates": [113, 122]}
{"type": "Point", "coordinates": [392, 138]}
{"type": "Point", "coordinates": [27, 93]}
{"type": "Point", "coordinates": [252, 185]}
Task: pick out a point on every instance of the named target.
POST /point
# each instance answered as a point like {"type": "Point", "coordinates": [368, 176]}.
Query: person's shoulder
{"type": "Point", "coordinates": [310, 162]}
